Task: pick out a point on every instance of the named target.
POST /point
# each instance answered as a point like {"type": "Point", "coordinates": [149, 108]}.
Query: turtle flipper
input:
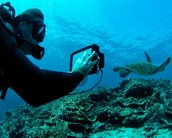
{"type": "Point", "coordinates": [147, 57]}
{"type": "Point", "coordinates": [164, 64]}
{"type": "Point", "coordinates": [124, 72]}
{"type": "Point", "coordinates": [117, 69]}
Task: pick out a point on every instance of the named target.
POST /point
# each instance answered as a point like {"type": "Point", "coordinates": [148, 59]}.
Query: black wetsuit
{"type": "Point", "coordinates": [36, 86]}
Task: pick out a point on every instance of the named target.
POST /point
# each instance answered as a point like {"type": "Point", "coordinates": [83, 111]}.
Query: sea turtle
{"type": "Point", "coordinates": [142, 68]}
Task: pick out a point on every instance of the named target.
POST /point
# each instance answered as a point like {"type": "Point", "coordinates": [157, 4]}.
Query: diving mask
{"type": "Point", "coordinates": [38, 30]}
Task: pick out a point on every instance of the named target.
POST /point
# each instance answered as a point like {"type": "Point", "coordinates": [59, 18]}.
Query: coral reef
{"type": "Point", "coordinates": [143, 105]}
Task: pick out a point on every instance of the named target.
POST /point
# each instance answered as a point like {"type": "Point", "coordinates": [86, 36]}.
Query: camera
{"type": "Point", "coordinates": [89, 49]}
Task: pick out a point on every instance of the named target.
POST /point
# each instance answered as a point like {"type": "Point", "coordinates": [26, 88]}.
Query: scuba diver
{"type": "Point", "coordinates": [20, 36]}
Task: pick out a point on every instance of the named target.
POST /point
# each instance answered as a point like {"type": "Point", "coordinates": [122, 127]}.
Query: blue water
{"type": "Point", "coordinates": [123, 29]}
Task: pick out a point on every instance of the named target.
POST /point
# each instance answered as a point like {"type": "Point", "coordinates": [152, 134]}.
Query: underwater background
{"type": "Point", "coordinates": [123, 29]}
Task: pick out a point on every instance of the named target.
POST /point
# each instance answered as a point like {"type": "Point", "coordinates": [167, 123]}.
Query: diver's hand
{"type": "Point", "coordinates": [84, 64]}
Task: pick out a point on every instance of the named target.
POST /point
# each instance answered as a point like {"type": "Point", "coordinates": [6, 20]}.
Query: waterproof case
{"type": "Point", "coordinates": [89, 49]}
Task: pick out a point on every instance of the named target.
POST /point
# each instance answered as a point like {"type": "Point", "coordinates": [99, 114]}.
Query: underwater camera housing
{"type": "Point", "coordinates": [89, 49]}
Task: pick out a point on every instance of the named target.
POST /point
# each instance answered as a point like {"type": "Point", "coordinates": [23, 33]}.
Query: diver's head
{"type": "Point", "coordinates": [30, 24]}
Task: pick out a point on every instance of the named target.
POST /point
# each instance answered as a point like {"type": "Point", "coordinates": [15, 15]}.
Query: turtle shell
{"type": "Point", "coordinates": [142, 68]}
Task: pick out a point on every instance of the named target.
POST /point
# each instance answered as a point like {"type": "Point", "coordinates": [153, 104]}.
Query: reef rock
{"type": "Point", "coordinates": [142, 106]}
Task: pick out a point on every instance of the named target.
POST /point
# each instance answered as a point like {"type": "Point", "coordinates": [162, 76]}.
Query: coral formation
{"type": "Point", "coordinates": [135, 103]}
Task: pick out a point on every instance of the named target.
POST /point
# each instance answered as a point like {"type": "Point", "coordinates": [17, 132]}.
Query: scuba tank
{"type": "Point", "coordinates": [7, 13]}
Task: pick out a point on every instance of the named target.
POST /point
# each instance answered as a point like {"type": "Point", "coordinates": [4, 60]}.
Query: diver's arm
{"type": "Point", "coordinates": [34, 85]}
{"type": "Point", "coordinates": [37, 86]}
{"type": "Point", "coordinates": [64, 81]}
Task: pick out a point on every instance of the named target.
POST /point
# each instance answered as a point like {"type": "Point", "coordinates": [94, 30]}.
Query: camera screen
{"type": "Point", "coordinates": [79, 55]}
{"type": "Point", "coordinates": [89, 49]}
